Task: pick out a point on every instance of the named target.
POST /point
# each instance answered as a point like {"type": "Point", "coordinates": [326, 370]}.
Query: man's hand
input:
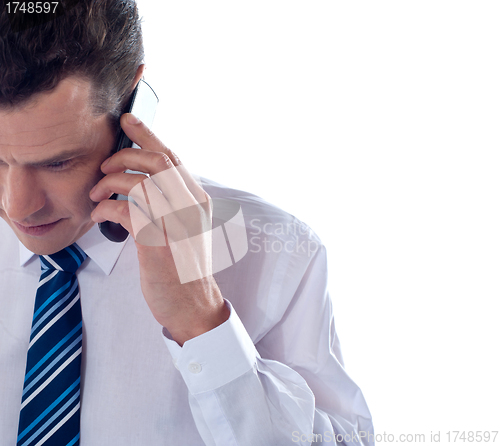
{"type": "Point", "coordinates": [171, 224]}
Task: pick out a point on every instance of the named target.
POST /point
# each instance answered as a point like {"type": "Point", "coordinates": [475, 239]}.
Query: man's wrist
{"type": "Point", "coordinates": [209, 320]}
{"type": "Point", "coordinates": [215, 358]}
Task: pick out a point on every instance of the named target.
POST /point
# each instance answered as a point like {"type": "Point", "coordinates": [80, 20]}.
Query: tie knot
{"type": "Point", "coordinates": [68, 259]}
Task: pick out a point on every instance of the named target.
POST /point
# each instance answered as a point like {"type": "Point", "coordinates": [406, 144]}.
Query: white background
{"type": "Point", "coordinates": [377, 123]}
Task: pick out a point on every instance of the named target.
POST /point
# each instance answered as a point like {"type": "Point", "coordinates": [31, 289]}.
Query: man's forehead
{"type": "Point", "coordinates": [70, 95]}
{"type": "Point", "coordinates": [59, 115]}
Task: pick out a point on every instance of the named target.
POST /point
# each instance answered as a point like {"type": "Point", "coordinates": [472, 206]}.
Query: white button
{"type": "Point", "coordinates": [175, 364]}
{"type": "Point", "coordinates": [194, 367]}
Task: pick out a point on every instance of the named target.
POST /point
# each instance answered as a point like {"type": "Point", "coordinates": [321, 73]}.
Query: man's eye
{"type": "Point", "coordinates": [59, 165]}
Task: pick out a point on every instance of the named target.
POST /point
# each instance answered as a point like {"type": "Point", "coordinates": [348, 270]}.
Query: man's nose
{"type": "Point", "coordinates": [22, 195]}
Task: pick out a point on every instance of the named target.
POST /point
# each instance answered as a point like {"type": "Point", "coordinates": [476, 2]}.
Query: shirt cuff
{"type": "Point", "coordinates": [216, 357]}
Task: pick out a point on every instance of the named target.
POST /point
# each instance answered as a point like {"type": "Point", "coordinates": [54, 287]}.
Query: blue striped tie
{"type": "Point", "coordinates": [50, 408]}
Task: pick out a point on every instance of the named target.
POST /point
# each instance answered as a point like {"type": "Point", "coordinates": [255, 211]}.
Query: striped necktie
{"type": "Point", "coordinates": [50, 408]}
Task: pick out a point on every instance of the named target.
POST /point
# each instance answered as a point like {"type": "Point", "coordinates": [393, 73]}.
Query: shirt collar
{"type": "Point", "coordinates": [102, 251]}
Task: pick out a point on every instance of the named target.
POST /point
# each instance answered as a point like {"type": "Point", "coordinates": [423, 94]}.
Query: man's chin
{"type": "Point", "coordinates": [42, 247]}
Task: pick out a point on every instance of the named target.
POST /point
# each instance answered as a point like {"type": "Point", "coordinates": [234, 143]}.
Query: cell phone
{"type": "Point", "coordinates": [142, 104]}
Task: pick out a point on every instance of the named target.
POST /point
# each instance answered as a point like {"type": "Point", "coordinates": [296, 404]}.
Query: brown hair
{"type": "Point", "coordinates": [98, 40]}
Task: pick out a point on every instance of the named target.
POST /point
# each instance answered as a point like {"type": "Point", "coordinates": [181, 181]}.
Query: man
{"type": "Point", "coordinates": [251, 358]}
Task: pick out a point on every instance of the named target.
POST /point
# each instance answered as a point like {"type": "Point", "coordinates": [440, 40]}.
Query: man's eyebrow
{"type": "Point", "coordinates": [63, 156]}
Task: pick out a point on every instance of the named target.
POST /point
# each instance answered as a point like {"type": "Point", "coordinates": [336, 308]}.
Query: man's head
{"type": "Point", "coordinates": [63, 86]}
{"type": "Point", "coordinates": [98, 40]}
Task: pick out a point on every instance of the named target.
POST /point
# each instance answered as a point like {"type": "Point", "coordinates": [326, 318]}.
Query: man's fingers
{"type": "Point", "coordinates": [146, 139]}
{"type": "Point", "coordinates": [171, 192]}
{"type": "Point", "coordinates": [144, 160]}
{"type": "Point", "coordinates": [159, 167]}
{"type": "Point", "coordinates": [120, 183]}
{"type": "Point", "coordinates": [115, 211]}
{"type": "Point", "coordinates": [196, 190]}
{"type": "Point", "coordinates": [125, 213]}
{"type": "Point", "coordinates": [149, 208]}
{"type": "Point", "coordinates": [143, 136]}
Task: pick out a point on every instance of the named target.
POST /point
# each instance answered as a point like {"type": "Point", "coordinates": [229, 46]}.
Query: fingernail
{"type": "Point", "coordinates": [131, 119]}
{"type": "Point", "coordinates": [93, 189]}
{"type": "Point", "coordinates": [105, 162]}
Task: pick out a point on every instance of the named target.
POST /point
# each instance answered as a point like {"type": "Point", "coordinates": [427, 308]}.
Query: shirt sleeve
{"type": "Point", "coordinates": [288, 389]}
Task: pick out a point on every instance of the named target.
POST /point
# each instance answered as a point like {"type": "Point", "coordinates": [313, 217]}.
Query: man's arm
{"type": "Point", "coordinates": [170, 222]}
{"type": "Point", "coordinates": [290, 389]}
{"type": "Point", "coordinates": [236, 395]}
{"type": "Point", "coordinates": [313, 350]}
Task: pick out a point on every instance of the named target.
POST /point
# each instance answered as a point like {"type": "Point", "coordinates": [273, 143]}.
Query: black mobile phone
{"type": "Point", "coordinates": [142, 105]}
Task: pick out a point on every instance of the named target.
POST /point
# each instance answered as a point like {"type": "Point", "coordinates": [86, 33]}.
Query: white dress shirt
{"type": "Point", "coordinates": [272, 374]}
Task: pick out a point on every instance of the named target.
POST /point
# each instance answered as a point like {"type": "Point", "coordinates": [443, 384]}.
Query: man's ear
{"type": "Point", "coordinates": [138, 75]}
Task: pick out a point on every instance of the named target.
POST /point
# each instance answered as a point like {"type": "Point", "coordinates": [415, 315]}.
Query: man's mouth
{"type": "Point", "coordinates": [37, 230]}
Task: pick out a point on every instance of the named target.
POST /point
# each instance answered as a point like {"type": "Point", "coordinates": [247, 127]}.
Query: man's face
{"type": "Point", "coordinates": [50, 157]}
